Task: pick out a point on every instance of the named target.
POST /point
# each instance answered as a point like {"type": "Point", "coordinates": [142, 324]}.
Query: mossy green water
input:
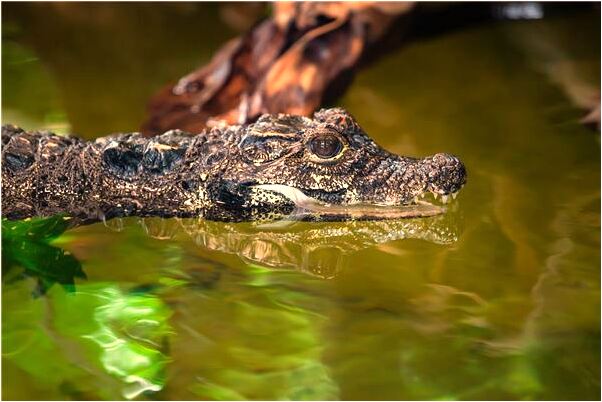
{"type": "Point", "coordinates": [167, 309]}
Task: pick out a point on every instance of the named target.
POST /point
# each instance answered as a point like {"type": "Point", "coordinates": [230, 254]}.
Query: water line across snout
{"type": "Point", "coordinates": [307, 205]}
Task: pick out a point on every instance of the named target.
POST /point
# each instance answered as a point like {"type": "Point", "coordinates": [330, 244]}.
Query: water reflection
{"type": "Point", "coordinates": [131, 333]}
{"type": "Point", "coordinates": [319, 249]}
{"type": "Point", "coordinates": [128, 328]}
{"type": "Point", "coordinates": [255, 334]}
{"type": "Point", "coordinates": [97, 342]}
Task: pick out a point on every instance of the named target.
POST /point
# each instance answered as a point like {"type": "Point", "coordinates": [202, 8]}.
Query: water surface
{"type": "Point", "coordinates": [498, 300]}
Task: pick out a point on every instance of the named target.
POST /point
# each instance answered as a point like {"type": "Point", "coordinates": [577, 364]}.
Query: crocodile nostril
{"type": "Point", "coordinates": [445, 173]}
{"type": "Point", "coordinates": [442, 160]}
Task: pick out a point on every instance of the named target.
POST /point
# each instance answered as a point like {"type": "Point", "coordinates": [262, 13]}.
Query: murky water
{"type": "Point", "coordinates": [500, 299]}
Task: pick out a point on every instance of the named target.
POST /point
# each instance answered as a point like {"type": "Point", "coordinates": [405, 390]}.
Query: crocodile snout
{"type": "Point", "coordinates": [445, 174]}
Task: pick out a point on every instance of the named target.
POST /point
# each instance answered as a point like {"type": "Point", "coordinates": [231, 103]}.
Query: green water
{"type": "Point", "coordinates": [498, 300]}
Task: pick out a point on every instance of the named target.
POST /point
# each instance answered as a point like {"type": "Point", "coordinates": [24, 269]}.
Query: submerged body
{"type": "Point", "coordinates": [325, 168]}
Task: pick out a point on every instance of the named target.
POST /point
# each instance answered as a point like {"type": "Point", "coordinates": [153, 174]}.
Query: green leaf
{"type": "Point", "coordinates": [25, 245]}
{"type": "Point", "coordinates": [35, 229]}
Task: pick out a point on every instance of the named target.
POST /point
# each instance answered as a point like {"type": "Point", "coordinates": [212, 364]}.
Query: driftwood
{"type": "Point", "coordinates": [286, 64]}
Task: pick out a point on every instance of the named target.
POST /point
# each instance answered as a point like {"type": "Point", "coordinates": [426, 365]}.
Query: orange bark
{"type": "Point", "coordinates": [284, 65]}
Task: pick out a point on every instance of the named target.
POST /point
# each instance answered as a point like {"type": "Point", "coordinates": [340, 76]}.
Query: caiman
{"type": "Point", "coordinates": [320, 168]}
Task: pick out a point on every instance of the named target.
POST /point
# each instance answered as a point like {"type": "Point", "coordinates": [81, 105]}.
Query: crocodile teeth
{"type": "Point", "coordinates": [444, 198]}
{"type": "Point", "coordinates": [435, 195]}
{"type": "Point", "coordinates": [454, 195]}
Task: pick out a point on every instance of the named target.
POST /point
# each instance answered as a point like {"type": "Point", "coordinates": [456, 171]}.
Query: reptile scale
{"type": "Point", "coordinates": [281, 166]}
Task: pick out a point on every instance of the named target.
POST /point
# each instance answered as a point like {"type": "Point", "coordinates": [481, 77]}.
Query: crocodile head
{"type": "Point", "coordinates": [329, 166]}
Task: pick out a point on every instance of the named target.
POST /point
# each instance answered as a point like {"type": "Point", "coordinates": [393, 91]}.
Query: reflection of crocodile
{"type": "Point", "coordinates": [280, 165]}
{"type": "Point", "coordinates": [320, 249]}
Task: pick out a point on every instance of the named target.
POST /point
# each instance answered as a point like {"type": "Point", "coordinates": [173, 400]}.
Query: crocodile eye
{"type": "Point", "coordinates": [325, 146]}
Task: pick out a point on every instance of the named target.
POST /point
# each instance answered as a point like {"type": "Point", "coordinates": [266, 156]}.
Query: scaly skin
{"type": "Point", "coordinates": [320, 169]}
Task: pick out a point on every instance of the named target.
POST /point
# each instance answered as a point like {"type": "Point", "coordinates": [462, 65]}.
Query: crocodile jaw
{"type": "Point", "coordinates": [307, 206]}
